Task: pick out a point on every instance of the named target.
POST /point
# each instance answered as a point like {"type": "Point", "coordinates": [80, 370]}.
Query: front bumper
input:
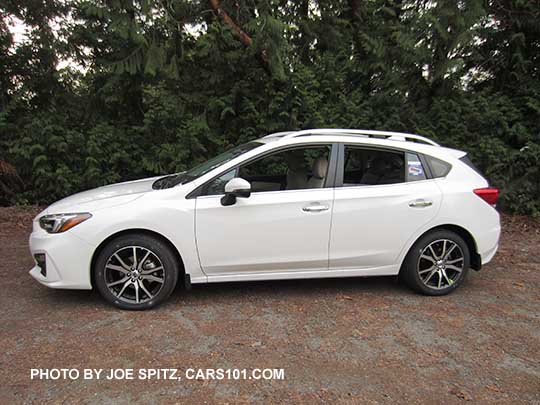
{"type": "Point", "coordinates": [67, 258]}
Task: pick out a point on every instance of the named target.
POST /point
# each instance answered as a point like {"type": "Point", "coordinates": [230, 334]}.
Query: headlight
{"type": "Point", "coordinates": [62, 222]}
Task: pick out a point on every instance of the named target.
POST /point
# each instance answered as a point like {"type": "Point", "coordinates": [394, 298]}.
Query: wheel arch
{"type": "Point", "coordinates": [476, 260]}
{"type": "Point", "coordinates": [157, 235]}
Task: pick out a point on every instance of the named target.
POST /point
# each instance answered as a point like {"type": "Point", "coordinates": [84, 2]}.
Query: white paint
{"type": "Point", "coordinates": [361, 231]}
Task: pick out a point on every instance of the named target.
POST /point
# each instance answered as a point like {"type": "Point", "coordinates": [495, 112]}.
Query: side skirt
{"type": "Point", "coordinates": [292, 275]}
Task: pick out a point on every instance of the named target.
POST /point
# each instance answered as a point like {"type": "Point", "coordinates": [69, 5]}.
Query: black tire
{"type": "Point", "coordinates": [113, 260]}
{"type": "Point", "coordinates": [441, 276]}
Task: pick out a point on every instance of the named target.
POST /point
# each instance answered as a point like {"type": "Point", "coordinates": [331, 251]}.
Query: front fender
{"type": "Point", "coordinates": [172, 220]}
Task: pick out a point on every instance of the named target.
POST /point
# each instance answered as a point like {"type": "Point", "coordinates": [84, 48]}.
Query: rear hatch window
{"type": "Point", "coordinates": [465, 159]}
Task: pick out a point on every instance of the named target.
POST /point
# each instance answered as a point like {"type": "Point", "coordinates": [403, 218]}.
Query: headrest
{"type": "Point", "coordinates": [320, 166]}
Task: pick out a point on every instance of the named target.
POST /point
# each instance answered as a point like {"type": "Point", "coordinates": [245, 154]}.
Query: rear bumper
{"type": "Point", "coordinates": [67, 258]}
{"type": "Point", "coordinates": [487, 256]}
{"type": "Point", "coordinates": [488, 243]}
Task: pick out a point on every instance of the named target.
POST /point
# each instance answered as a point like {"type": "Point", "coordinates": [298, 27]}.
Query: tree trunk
{"type": "Point", "coordinates": [242, 36]}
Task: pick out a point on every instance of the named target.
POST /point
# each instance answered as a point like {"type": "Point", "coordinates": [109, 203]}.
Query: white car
{"type": "Point", "coordinates": [300, 204]}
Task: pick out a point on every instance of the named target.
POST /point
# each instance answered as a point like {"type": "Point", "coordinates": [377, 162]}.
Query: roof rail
{"type": "Point", "coordinates": [278, 134]}
{"type": "Point", "coordinates": [393, 136]}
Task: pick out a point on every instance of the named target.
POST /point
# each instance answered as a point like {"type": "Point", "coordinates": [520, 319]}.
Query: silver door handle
{"type": "Point", "coordinates": [315, 208]}
{"type": "Point", "coordinates": [420, 203]}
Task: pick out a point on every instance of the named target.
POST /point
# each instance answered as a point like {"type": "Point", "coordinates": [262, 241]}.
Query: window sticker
{"type": "Point", "coordinates": [415, 168]}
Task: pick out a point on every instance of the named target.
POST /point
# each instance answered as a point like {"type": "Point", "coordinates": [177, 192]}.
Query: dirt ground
{"type": "Point", "coordinates": [346, 340]}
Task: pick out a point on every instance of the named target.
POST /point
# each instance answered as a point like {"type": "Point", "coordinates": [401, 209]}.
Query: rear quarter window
{"type": "Point", "coordinates": [439, 168]}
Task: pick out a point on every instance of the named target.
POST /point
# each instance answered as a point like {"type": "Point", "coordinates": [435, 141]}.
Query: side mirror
{"type": "Point", "coordinates": [235, 188]}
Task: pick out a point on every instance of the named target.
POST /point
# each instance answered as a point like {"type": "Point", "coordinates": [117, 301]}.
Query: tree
{"type": "Point", "coordinates": [157, 86]}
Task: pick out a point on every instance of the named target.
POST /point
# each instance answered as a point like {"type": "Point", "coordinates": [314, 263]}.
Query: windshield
{"type": "Point", "coordinates": [198, 171]}
{"type": "Point", "coordinates": [217, 161]}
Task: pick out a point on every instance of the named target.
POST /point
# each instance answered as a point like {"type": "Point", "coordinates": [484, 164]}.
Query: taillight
{"type": "Point", "coordinates": [488, 194]}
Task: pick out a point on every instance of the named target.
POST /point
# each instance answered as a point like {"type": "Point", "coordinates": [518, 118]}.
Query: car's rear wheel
{"type": "Point", "coordinates": [437, 263]}
{"type": "Point", "coordinates": [136, 271]}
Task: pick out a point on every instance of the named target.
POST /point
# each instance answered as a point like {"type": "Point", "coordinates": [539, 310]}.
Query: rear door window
{"type": "Point", "coordinates": [370, 167]}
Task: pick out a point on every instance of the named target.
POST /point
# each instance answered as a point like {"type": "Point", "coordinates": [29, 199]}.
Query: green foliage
{"type": "Point", "coordinates": [163, 86]}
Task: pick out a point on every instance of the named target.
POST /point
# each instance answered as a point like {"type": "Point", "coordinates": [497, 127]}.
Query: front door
{"type": "Point", "coordinates": [282, 227]}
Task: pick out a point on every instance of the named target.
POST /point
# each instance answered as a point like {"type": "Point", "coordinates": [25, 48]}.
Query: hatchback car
{"type": "Point", "coordinates": [300, 204]}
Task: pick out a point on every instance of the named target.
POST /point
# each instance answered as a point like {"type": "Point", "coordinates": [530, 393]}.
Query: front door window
{"type": "Point", "coordinates": [292, 169]}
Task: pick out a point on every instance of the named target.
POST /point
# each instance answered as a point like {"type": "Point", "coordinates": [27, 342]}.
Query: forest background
{"type": "Point", "coordinates": [95, 92]}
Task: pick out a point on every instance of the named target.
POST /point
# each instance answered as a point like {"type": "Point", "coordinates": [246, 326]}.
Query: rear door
{"type": "Point", "coordinates": [382, 198]}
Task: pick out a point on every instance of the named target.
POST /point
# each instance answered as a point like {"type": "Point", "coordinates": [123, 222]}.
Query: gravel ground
{"type": "Point", "coordinates": [345, 340]}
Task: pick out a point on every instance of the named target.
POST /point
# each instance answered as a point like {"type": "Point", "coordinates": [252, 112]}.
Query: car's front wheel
{"type": "Point", "coordinates": [437, 263]}
{"type": "Point", "coordinates": [136, 272]}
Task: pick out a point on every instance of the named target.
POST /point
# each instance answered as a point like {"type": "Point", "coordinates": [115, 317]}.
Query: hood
{"type": "Point", "coordinates": [103, 197]}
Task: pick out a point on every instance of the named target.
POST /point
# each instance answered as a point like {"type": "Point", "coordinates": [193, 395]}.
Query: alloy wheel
{"type": "Point", "coordinates": [440, 264]}
{"type": "Point", "coordinates": [134, 274]}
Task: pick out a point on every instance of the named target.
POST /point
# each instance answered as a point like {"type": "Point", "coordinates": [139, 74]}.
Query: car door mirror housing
{"type": "Point", "coordinates": [235, 188]}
